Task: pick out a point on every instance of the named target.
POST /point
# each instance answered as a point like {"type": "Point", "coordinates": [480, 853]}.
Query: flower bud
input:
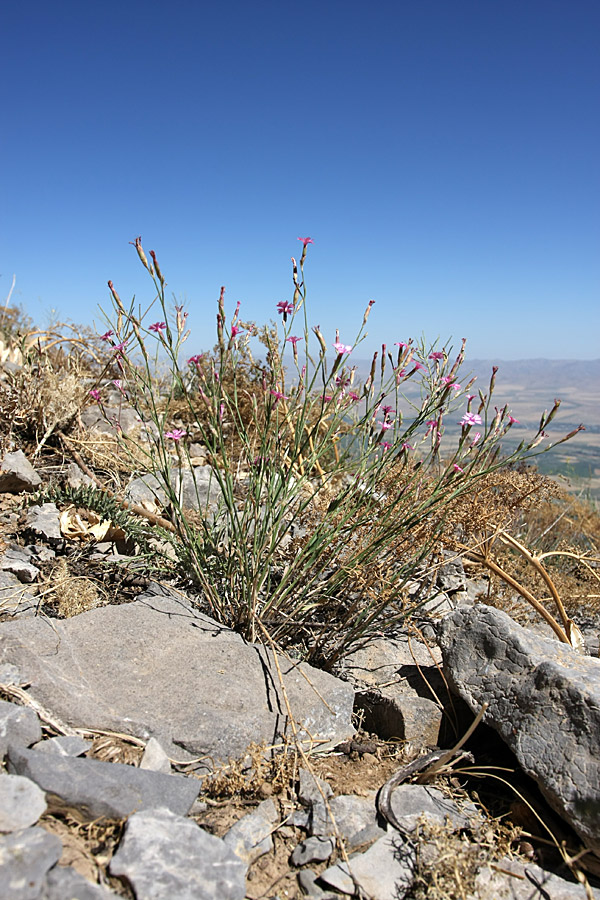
{"type": "Point", "coordinates": [140, 250]}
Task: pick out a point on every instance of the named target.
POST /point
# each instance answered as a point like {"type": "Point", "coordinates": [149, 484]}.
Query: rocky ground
{"type": "Point", "coordinates": [151, 753]}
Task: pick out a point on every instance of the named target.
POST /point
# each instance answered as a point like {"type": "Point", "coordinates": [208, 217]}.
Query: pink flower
{"type": "Point", "coordinates": [385, 445]}
{"type": "Point", "coordinates": [195, 360]}
{"type": "Point", "coordinates": [293, 339]}
{"type": "Point", "coordinates": [470, 419]}
{"type": "Point", "coordinates": [385, 425]}
{"type": "Point", "coordinates": [285, 308]}
{"type": "Point", "coordinates": [476, 437]}
{"type": "Point", "coordinates": [118, 348]}
{"type": "Point", "coordinates": [306, 241]}
{"type": "Point", "coordinates": [400, 344]}
{"type": "Point", "coordinates": [457, 468]}
{"type": "Point", "coordinates": [417, 366]}
{"type": "Point", "coordinates": [436, 355]}
{"type": "Point", "coordinates": [119, 386]}
{"type": "Point", "coordinates": [106, 336]}
{"type": "Point", "coordinates": [327, 398]}
{"type": "Point", "coordinates": [95, 394]}
{"type": "Point", "coordinates": [447, 379]}
{"type": "Point", "coordinates": [158, 327]}
{"type": "Point", "coordinates": [342, 381]}
{"type": "Point", "coordinates": [386, 410]}
{"type": "Point", "coordinates": [407, 446]}
{"type": "Point", "coordinates": [176, 434]}
{"type": "Point", "coordinates": [341, 348]}
{"type": "Point", "coordinates": [431, 426]}
{"type": "Point", "coordinates": [513, 421]}
{"type": "Point", "coordinates": [235, 330]}
{"type": "Point", "coordinates": [278, 396]}
{"type": "Point", "coordinates": [353, 397]}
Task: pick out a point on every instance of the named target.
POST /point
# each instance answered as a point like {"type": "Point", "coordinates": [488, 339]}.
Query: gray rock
{"type": "Point", "coordinates": [16, 600]}
{"type": "Point", "coordinates": [155, 759]}
{"type": "Point", "coordinates": [477, 589]}
{"type": "Point", "coordinates": [438, 605]}
{"type": "Point", "coordinates": [156, 667]}
{"type": "Point", "coordinates": [411, 801]}
{"type": "Point", "coordinates": [165, 856]}
{"type": "Point", "coordinates": [307, 879]}
{"type": "Point", "coordinates": [530, 882]}
{"type": "Point", "coordinates": [395, 682]}
{"type": "Point", "coordinates": [196, 489]}
{"type": "Point", "coordinates": [384, 872]}
{"type": "Point", "coordinates": [98, 788]}
{"type": "Point", "coordinates": [355, 817]}
{"type": "Point", "coordinates": [313, 849]}
{"type": "Point", "coordinates": [18, 725]}
{"type": "Point", "coordinates": [42, 553]}
{"type": "Point", "coordinates": [146, 488]}
{"type": "Point", "coordinates": [64, 745]}
{"type": "Point", "coordinates": [21, 803]}
{"type": "Point", "coordinates": [18, 562]}
{"type": "Point", "coordinates": [114, 418]}
{"type": "Point", "coordinates": [64, 883]}
{"type": "Point", "coordinates": [250, 837]}
{"type": "Point", "coordinates": [76, 478]}
{"type": "Point", "coordinates": [311, 788]}
{"type": "Point", "coordinates": [9, 674]}
{"type": "Point", "coordinates": [25, 857]}
{"type": "Point", "coordinates": [44, 521]}
{"type": "Point", "coordinates": [544, 701]}
{"type": "Point", "coordinates": [451, 574]}
{"type": "Point", "coordinates": [17, 474]}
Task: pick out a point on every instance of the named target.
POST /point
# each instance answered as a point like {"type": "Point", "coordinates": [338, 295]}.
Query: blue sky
{"type": "Point", "coordinates": [443, 155]}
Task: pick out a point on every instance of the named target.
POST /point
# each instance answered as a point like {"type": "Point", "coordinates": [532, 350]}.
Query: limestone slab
{"type": "Point", "coordinates": [544, 701]}
{"type": "Point", "coordinates": [163, 855]}
{"type": "Point", "coordinates": [158, 668]}
{"type": "Point", "coordinates": [95, 788]}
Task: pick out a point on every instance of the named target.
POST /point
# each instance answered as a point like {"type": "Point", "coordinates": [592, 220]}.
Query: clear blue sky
{"type": "Point", "coordinates": [444, 155]}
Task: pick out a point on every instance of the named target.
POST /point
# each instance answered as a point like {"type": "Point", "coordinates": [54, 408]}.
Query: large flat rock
{"type": "Point", "coordinates": [158, 668]}
{"type": "Point", "coordinates": [544, 701]}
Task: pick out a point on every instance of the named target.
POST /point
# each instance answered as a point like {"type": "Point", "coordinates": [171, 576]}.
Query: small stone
{"type": "Point", "coordinates": [99, 788]}
{"type": "Point", "coordinates": [250, 837]}
{"type": "Point", "coordinates": [18, 562]}
{"type": "Point", "coordinates": [411, 801]}
{"type": "Point", "coordinates": [18, 725]}
{"type": "Point", "coordinates": [384, 872]}
{"type": "Point", "coordinates": [67, 884]}
{"type": "Point", "coordinates": [313, 849]}
{"type": "Point", "coordinates": [17, 474]}
{"type": "Point", "coordinates": [155, 759]}
{"type": "Point", "coordinates": [163, 855]}
{"type": "Point", "coordinates": [25, 857]}
{"type": "Point", "coordinates": [76, 478]}
{"type": "Point", "coordinates": [44, 521]}
{"type": "Point", "coordinates": [16, 600]}
{"type": "Point", "coordinates": [21, 803]}
{"type": "Point", "coordinates": [308, 788]}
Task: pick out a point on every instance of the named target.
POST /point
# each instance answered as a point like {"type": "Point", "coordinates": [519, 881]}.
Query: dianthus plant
{"type": "Point", "coordinates": [327, 493]}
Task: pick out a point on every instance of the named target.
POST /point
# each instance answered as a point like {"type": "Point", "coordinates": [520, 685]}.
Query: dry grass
{"type": "Point", "coordinates": [448, 861]}
{"type": "Point", "coordinates": [68, 594]}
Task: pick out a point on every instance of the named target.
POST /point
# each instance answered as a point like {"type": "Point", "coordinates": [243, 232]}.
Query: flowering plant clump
{"type": "Point", "coordinates": [330, 492]}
